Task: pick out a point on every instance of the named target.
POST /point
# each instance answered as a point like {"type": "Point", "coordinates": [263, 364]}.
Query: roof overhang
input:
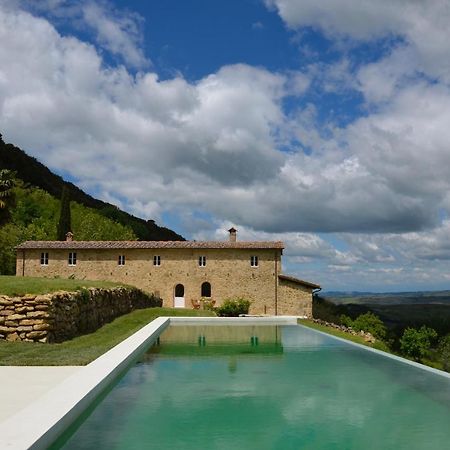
{"type": "Point", "coordinates": [298, 281]}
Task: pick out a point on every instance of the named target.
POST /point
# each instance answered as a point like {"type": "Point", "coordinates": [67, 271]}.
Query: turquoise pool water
{"type": "Point", "coordinates": [267, 388]}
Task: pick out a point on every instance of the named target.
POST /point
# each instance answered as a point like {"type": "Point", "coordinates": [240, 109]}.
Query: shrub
{"type": "Point", "coordinates": [84, 295]}
{"type": "Point", "coordinates": [233, 307]}
{"type": "Point", "coordinates": [346, 320]}
{"type": "Point", "coordinates": [370, 323]}
{"type": "Point", "coordinates": [208, 303]}
{"type": "Point", "coordinates": [416, 343]}
{"type": "Point", "coordinates": [444, 352]}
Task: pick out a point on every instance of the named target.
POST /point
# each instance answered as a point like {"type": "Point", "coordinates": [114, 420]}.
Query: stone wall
{"type": "Point", "coordinates": [294, 299]}
{"type": "Point", "coordinates": [63, 315]}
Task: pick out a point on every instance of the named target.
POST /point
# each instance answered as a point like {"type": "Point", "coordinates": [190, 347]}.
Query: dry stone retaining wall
{"type": "Point", "coordinates": [63, 315]}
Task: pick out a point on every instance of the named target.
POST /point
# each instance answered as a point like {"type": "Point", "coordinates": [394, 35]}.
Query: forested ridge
{"type": "Point", "coordinates": [36, 174]}
{"type": "Point", "coordinates": [30, 209]}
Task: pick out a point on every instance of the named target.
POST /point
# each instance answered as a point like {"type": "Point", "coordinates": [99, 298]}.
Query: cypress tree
{"type": "Point", "coordinates": [7, 183]}
{"type": "Point", "coordinates": [64, 225]}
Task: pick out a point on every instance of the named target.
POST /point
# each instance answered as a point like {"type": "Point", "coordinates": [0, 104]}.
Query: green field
{"type": "Point", "coordinates": [84, 349]}
{"type": "Point", "coordinates": [16, 286]}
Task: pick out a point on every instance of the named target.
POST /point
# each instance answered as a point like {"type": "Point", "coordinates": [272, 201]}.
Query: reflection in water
{"type": "Point", "coordinates": [232, 364]}
{"type": "Point", "coordinates": [215, 340]}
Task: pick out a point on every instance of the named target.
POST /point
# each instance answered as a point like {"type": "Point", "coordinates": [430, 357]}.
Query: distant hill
{"type": "Point", "coordinates": [389, 298]}
{"type": "Point", "coordinates": [32, 172]}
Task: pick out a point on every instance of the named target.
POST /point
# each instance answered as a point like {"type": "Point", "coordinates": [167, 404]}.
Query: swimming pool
{"type": "Point", "coordinates": [267, 387]}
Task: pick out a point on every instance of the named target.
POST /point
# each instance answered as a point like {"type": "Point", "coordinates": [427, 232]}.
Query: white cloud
{"type": "Point", "coordinates": [118, 31]}
{"type": "Point", "coordinates": [423, 25]}
{"type": "Point", "coordinates": [380, 81]}
{"type": "Point", "coordinates": [219, 144]}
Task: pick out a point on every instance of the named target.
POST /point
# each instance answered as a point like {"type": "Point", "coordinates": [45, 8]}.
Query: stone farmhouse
{"type": "Point", "coordinates": [182, 273]}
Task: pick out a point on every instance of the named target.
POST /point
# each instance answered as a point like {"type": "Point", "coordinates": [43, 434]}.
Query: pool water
{"type": "Point", "coordinates": [288, 387]}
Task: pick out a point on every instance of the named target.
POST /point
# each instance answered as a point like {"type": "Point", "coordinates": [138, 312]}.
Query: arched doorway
{"type": "Point", "coordinates": [206, 289]}
{"type": "Point", "coordinates": [178, 301]}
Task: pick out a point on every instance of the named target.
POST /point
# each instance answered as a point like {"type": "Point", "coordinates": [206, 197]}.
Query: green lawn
{"type": "Point", "coordinates": [379, 345]}
{"type": "Point", "coordinates": [84, 349]}
{"type": "Point", "coordinates": [16, 286]}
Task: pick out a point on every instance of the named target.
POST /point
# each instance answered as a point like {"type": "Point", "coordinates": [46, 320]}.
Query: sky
{"type": "Point", "coordinates": [322, 124]}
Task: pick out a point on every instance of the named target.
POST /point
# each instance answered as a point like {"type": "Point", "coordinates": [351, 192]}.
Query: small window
{"type": "Point", "coordinates": [72, 259]}
{"type": "Point", "coordinates": [121, 261]}
{"type": "Point", "coordinates": [157, 260]}
{"type": "Point", "coordinates": [254, 261]}
{"type": "Point", "coordinates": [202, 261]}
{"type": "Point", "coordinates": [44, 259]}
{"type": "Point", "coordinates": [206, 289]}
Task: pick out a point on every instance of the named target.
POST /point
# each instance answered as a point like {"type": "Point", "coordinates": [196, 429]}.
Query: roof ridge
{"type": "Point", "coordinates": [149, 244]}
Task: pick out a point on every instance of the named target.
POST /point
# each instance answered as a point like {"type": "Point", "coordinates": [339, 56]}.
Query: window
{"type": "Point", "coordinates": [202, 261]}
{"type": "Point", "coordinates": [121, 261]}
{"type": "Point", "coordinates": [206, 289]}
{"type": "Point", "coordinates": [254, 261]}
{"type": "Point", "coordinates": [157, 260]}
{"type": "Point", "coordinates": [44, 259]}
{"type": "Point", "coordinates": [72, 259]}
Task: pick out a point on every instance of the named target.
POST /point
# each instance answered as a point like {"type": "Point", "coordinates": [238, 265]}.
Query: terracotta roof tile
{"type": "Point", "coordinates": [69, 245]}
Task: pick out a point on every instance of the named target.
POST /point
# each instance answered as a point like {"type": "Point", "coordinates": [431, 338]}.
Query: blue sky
{"type": "Point", "coordinates": [323, 124]}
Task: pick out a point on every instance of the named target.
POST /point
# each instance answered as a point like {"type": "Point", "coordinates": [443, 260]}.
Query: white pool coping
{"type": "Point", "coordinates": [269, 320]}
{"type": "Point", "coordinates": [39, 424]}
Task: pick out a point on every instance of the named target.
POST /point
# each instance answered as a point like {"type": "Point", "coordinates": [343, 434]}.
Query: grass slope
{"type": "Point", "coordinates": [84, 349]}
{"type": "Point", "coordinates": [16, 286]}
{"type": "Point", "coordinates": [379, 345]}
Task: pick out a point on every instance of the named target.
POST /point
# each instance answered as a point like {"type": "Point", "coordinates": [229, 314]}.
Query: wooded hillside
{"type": "Point", "coordinates": [32, 172]}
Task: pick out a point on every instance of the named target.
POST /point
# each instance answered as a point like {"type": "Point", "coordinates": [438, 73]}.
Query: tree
{"type": "Point", "coordinates": [64, 224]}
{"type": "Point", "coordinates": [416, 343]}
{"type": "Point", "coordinates": [6, 194]}
{"type": "Point", "coordinates": [444, 352]}
{"type": "Point", "coordinates": [10, 236]}
{"type": "Point", "coordinates": [346, 320]}
{"type": "Point", "coordinates": [371, 323]}
{"type": "Point", "coordinates": [88, 225]}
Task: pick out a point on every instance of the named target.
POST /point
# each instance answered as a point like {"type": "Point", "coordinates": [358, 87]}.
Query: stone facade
{"type": "Point", "coordinates": [63, 315]}
{"type": "Point", "coordinates": [229, 269]}
{"type": "Point", "coordinates": [294, 298]}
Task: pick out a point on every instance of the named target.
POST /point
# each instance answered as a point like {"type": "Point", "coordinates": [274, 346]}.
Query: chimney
{"type": "Point", "coordinates": [69, 236]}
{"type": "Point", "coordinates": [232, 232]}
